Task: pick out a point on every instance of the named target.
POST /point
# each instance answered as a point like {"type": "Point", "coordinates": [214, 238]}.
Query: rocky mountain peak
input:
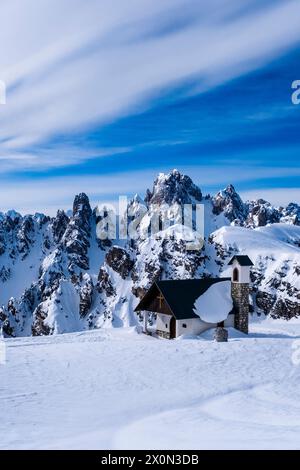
{"type": "Point", "coordinates": [261, 213]}
{"type": "Point", "coordinates": [82, 205]}
{"type": "Point", "coordinates": [173, 188]}
{"type": "Point", "coordinates": [59, 225]}
{"type": "Point", "coordinates": [229, 202]}
{"type": "Point", "coordinates": [291, 214]}
{"type": "Point", "coordinates": [77, 234]}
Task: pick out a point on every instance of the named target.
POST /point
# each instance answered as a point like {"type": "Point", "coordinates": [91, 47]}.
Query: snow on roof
{"type": "Point", "coordinates": [215, 304]}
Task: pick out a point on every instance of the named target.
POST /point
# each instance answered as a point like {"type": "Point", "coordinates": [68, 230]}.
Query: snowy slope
{"type": "Point", "coordinates": [110, 389]}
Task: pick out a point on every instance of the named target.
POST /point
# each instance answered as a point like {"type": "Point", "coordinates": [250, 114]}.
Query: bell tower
{"type": "Point", "coordinates": [240, 288]}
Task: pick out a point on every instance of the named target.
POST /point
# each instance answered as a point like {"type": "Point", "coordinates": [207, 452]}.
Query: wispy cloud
{"type": "Point", "coordinates": [60, 156]}
{"type": "Point", "coordinates": [71, 64]}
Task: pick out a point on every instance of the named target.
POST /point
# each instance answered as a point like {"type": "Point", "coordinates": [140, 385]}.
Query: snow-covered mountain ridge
{"type": "Point", "coordinates": [56, 276]}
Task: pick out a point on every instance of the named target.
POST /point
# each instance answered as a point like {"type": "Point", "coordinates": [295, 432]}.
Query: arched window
{"type": "Point", "coordinates": [235, 275]}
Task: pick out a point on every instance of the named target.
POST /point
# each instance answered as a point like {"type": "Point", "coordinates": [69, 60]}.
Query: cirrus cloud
{"type": "Point", "coordinates": [72, 64]}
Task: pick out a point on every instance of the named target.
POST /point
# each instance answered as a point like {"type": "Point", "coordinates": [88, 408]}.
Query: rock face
{"type": "Point", "coordinates": [59, 225]}
{"type": "Point", "coordinates": [105, 284]}
{"type": "Point", "coordinates": [279, 294]}
{"type": "Point", "coordinates": [120, 261]}
{"type": "Point", "coordinates": [39, 326]}
{"type": "Point", "coordinates": [6, 326]}
{"type": "Point", "coordinates": [265, 301]}
{"type": "Point", "coordinates": [261, 213]}
{"type": "Point", "coordinates": [173, 188]}
{"type": "Point", "coordinates": [77, 234]}
{"type": "Point", "coordinates": [55, 276]}
{"type": "Point", "coordinates": [25, 235]}
{"type": "Point", "coordinates": [290, 214]}
{"type": "Point", "coordinates": [166, 258]}
{"type": "Point", "coordinates": [231, 205]}
{"type": "Point", "coordinates": [86, 295]}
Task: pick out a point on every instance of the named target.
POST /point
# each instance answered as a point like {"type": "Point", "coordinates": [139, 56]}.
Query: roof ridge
{"type": "Point", "coordinates": [193, 280]}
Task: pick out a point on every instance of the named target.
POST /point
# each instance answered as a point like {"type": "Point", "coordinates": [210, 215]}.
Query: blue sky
{"type": "Point", "coordinates": [102, 96]}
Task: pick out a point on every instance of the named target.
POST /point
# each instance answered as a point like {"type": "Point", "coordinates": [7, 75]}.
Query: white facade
{"type": "Point", "coordinates": [243, 273]}
{"type": "Point", "coordinates": [190, 326]}
{"type": "Point", "coordinates": [163, 322]}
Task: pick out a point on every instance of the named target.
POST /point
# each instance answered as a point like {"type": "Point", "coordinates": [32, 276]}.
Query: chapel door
{"type": "Point", "coordinates": [173, 328]}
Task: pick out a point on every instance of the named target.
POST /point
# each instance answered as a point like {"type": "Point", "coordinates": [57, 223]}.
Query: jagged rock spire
{"type": "Point", "coordinates": [229, 202]}
{"type": "Point", "coordinates": [78, 232]}
{"type": "Point", "coordinates": [173, 188]}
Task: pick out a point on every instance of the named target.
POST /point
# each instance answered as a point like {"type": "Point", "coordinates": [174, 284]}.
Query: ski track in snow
{"type": "Point", "coordinates": [111, 389]}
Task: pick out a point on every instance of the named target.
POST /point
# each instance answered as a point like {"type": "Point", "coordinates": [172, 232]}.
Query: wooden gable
{"type": "Point", "coordinates": [154, 301]}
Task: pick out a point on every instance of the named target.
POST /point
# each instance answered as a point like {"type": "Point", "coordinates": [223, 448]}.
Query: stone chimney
{"type": "Point", "coordinates": [240, 281]}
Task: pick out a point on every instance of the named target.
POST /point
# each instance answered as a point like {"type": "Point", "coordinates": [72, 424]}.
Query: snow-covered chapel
{"type": "Point", "coordinates": [193, 306]}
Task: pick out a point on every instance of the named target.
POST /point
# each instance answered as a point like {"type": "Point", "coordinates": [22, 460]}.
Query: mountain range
{"type": "Point", "coordinates": [56, 276]}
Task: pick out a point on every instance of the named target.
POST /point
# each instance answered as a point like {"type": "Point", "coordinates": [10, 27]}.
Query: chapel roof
{"type": "Point", "coordinates": [243, 260]}
{"type": "Point", "coordinates": [180, 295]}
